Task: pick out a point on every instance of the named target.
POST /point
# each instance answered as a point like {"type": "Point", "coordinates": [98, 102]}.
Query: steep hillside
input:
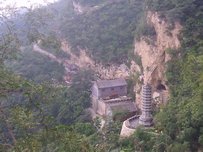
{"type": "Point", "coordinates": [154, 52]}
{"type": "Point", "coordinates": [153, 41]}
{"type": "Point", "coordinates": [107, 33]}
{"type": "Point", "coordinates": [179, 123]}
{"type": "Point", "coordinates": [36, 67]}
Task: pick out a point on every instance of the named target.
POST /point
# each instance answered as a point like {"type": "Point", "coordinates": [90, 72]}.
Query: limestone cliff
{"type": "Point", "coordinates": [103, 72]}
{"type": "Point", "coordinates": [152, 50]}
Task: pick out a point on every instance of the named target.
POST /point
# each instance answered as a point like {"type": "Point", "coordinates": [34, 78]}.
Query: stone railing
{"type": "Point", "coordinates": [117, 100]}
{"type": "Point", "coordinates": [127, 128]}
{"type": "Point", "coordinates": [130, 122]}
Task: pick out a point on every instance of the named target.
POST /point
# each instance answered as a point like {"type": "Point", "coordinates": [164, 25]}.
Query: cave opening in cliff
{"type": "Point", "coordinates": [160, 87]}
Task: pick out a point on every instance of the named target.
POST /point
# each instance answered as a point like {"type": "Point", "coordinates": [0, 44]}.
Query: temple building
{"type": "Point", "coordinates": [111, 95]}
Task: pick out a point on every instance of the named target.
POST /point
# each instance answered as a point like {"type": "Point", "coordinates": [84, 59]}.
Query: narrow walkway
{"type": "Point", "coordinates": [36, 48]}
{"type": "Point", "coordinates": [67, 65]}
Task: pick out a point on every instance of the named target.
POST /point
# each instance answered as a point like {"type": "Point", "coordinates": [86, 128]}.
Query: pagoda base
{"type": "Point", "coordinates": [147, 122]}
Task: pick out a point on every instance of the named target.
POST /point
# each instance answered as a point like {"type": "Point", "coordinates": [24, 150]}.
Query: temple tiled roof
{"type": "Point", "coordinates": [111, 83]}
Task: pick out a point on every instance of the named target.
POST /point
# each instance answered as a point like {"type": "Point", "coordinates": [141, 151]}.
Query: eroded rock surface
{"type": "Point", "coordinates": [153, 50]}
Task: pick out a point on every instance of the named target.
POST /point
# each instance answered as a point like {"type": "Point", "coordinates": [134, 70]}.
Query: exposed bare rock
{"type": "Point", "coordinates": [160, 97]}
{"type": "Point", "coordinates": [153, 49]}
{"type": "Point", "coordinates": [103, 72]}
{"type": "Point", "coordinates": [112, 72]}
{"type": "Point", "coordinates": [82, 60]}
{"type": "Point", "coordinates": [135, 67]}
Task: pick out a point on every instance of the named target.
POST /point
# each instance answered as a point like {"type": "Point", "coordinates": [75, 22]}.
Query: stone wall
{"type": "Point", "coordinates": [113, 91]}
{"type": "Point", "coordinates": [101, 110]}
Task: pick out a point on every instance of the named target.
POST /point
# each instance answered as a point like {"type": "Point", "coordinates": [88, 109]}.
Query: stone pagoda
{"type": "Point", "coordinates": [146, 118]}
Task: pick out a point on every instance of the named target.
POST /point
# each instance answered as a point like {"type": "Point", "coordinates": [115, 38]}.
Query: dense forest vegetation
{"type": "Point", "coordinates": [36, 115]}
{"type": "Point", "coordinates": [36, 67]}
{"type": "Point", "coordinates": [180, 123]}
{"type": "Point", "coordinates": [182, 119]}
{"type": "Point", "coordinates": [107, 34]}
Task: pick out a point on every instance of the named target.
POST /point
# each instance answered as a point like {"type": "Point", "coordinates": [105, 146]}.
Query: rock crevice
{"type": "Point", "coordinates": [153, 51]}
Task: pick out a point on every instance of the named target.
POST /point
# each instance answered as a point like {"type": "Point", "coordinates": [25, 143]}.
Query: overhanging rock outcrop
{"type": "Point", "coordinates": [153, 51]}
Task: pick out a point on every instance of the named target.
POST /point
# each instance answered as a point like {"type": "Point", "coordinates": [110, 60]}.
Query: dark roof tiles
{"type": "Point", "coordinates": [111, 83]}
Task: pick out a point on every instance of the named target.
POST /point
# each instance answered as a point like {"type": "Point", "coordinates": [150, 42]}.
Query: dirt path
{"type": "Point", "coordinates": [70, 68]}
{"type": "Point", "coordinates": [36, 48]}
{"type": "Point", "coordinates": [82, 60]}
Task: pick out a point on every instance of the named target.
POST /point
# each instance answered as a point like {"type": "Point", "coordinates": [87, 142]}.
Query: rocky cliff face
{"type": "Point", "coordinates": [102, 72]}
{"type": "Point", "coordinates": [152, 50]}
{"type": "Point", "coordinates": [153, 53]}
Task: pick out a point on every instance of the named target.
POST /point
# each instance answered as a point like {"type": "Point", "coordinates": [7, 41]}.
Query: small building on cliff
{"type": "Point", "coordinates": [111, 96]}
